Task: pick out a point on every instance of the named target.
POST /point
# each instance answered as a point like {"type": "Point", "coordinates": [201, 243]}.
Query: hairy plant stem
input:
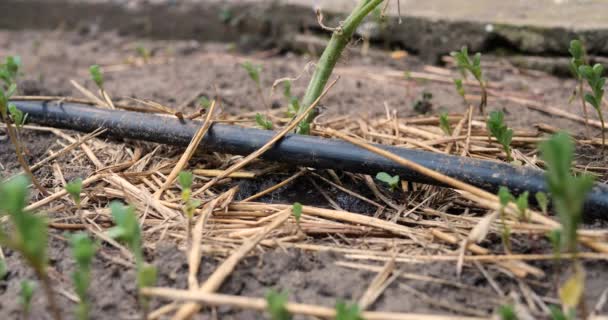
{"type": "Point", "coordinates": [339, 39]}
{"type": "Point", "coordinates": [12, 134]}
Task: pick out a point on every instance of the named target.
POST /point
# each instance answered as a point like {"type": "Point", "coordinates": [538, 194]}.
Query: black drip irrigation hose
{"type": "Point", "coordinates": [297, 150]}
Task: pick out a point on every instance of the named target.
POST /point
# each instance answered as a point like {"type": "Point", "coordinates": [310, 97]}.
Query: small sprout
{"type": "Point", "coordinates": [596, 82]}
{"type": "Point", "coordinates": [25, 294]}
{"type": "Point", "coordinates": [275, 305]}
{"type": "Point", "coordinates": [74, 189]}
{"type": "Point", "coordinates": [253, 70]}
{"type": "Point", "coordinates": [555, 237]}
{"type": "Point", "coordinates": [297, 211]}
{"type": "Point", "coordinates": [568, 192]}
{"type": "Point", "coordinates": [17, 115]}
{"type": "Point", "coordinates": [460, 88]}
{"type": "Point", "coordinates": [3, 269]}
{"type": "Point", "coordinates": [143, 52]}
{"type": "Point", "coordinates": [507, 312]}
{"type": "Point", "coordinates": [293, 107]}
{"type": "Point", "coordinates": [287, 90]}
{"type": "Point", "coordinates": [263, 122]}
{"type": "Point", "coordinates": [391, 181]}
{"type": "Point", "coordinates": [473, 66]}
{"type": "Point", "coordinates": [522, 205]}
{"type": "Point", "coordinates": [185, 179]}
{"type": "Point", "coordinates": [83, 250]}
{"type": "Point", "coordinates": [147, 276]}
{"type": "Point", "coordinates": [558, 314]}
{"type": "Point", "coordinates": [500, 131]}
{"type": "Point", "coordinates": [204, 102]}
{"type": "Point", "coordinates": [577, 51]}
{"type": "Point", "coordinates": [348, 312]}
{"type": "Point", "coordinates": [444, 123]}
{"type": "Point", "coordinates": [424, 105]}
{"type": "Point", "coordinates": [304, 127]}
{"type": "Point", "coordinates": [9, 70]}
{"type": "Point", "coordinates": [543, 201]}
{"type": "Point", "coordinates": [96, 75]}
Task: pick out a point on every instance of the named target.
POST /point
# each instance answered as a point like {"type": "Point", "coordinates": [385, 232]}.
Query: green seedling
{"type": "Point", "coordinates": [555, 237]}
{"type": "Point", "coordinates": [3, 269]}
{"type": "Point", "coordinates": [29, 235]}
{"type": "Point", "coordinates": [340, 38]}
{"type": "Point", "coordinates": [424, 105]}
{"type": "Point", "coordinates": [127, 231]}
{"type": "Point", "coordinates": [460, 89]}
{"type": "Point", "coordinates": [568, 192]}
{"type": "Point", "coordinates": [596, 82]}
{"type": "Point", "coordinates": [275, 305]}
{"type": "Point", "coordinates": [185, 179]}
{"type": "Point", "coordinates": [83, 250]}
{"type": "Point", "coordinates": [9, 70]}
{"type": "Point", "coordinates": [505, 197]}
{"type": "Point", "coordinates": [204, 102]}
{"type": "Point", "coordinates": [501, 132]}
{"type": "Point", "coordinates": [253, 70]}
{"type": "Point", "coordinates": [557, 313]}
{"type": "Point", "coordinates": [296, 209]}
{"type": "Point", "coordinates": [444, 123]}
{"type": "Point", "coordinates": [543, 201]}
{"type": "Point", "coordinates": [472, 66]}
{"type": "Point", "coordinates": [348, 312]}
{"type": "Point", "coordinates": [74, 189]}
{"type": "Point", "coordinates": [522, 206]}
{"type": "Point", "coordinates": [577, 51]}
{"type": "Point", "coordinates": [263, 122]}
{"type": "Point", "coordinates": [96, 75]}
{"type": "Point", "coordinates": [507, 312]}
{"type": "Point", "coordinates": [25, 294]}
{"type": "Point", "coordinates": [391, 181]}
{"type": "Point", "coordinates": [143, 52]}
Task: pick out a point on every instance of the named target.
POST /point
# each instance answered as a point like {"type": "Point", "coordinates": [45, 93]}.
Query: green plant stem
{"type": "Point", "coordinates": [12, 134]}
{"type": "Point", "coordinates": [484, 96]}
{"type": "Point", "coordinates": [581, 93]}
{"type": "Point", "coordinates": [601, 116]}
{"type": "Point", "coordinates": [339, 39]}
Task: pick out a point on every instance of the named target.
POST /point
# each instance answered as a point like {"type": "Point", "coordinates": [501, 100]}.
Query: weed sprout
{"type": "Point", "coordinates": [473, 66]}
{"type": "Point", "coordinates": [348, 312]}
{"type": "Point", "coordinates": [391, 181]}
{"type": "Point", "coordinates": [74, 188]}
{"type": "Point", "coordinates": [128, 232]}
{"type": "Point", "coordinates": [83, 250]}
{"type": "Point", "coordinates": [543, 201]}
{"type": "Point", "coordinates": [501, 132]}
{"type": "Point", "coordinates": [444, 123]}
{"type": "Point", "coordinates": [578, 59]}
{"type": "Point", "coordinates": [275, 305]}
{"type": "Point", "coordinates": [263, 122]}
{"type": "Point", "coordinates": [30, 234]}
{"type": "Point", "coordinates": [596, 82]}
{"type": "Point", "coordinates": [185, 179]}
{"type": "Point", "coordinates": [25, 295]}
{"type": "Point", "coordinates": [507, 312]}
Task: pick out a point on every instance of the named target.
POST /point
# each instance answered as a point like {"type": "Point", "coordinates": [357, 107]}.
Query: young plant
{"type": "Point", "coordinates": [460, 89]}
{"type": "Point", "coordinates": [568, 192]}
{"type": "Point", "coordinates": [263, 122]}
{"type": "Point", "coordinates": [500, 131]}
{"type": "Point", "coordinates": [391, 181]}
{"type": "Point", "coordinates": [444, 123]}
{"type": "Point", "coordinates": [543, 201]}
{"type": "Point", "coordinates": [143, 52]}
{"type": "Point", "coordinates": [83, 250]}
{"type": "Point", "coordinates": [29, 236]}
{"type": "Point", "coordinates": [253, 70]}
{"type": "Point", "coordinates": [578, 59]}
{"type": "Point", "coordinates": [296, 209]}
{"type": "Point", "coordinates": [473, 66]}
{"type": "Point", "coordinates": [341, 36]}
{"type": "Point", "coordinates": [348, 312]}
{"type": "Point", "coordinates": [596, 82]}
{"type": "Point", "coordinates": [25, 294]}
{"type": "Point", "coordinates": [185, 179]}
{"type": "Point", "coordinates": [74, 189]}
{"type": "Point", "coordinates": [505, 197]}
{"type": "Point", "coordinates": [10, 114]}
{"type": "Point", "coordinates": [275, 305]}
{"type": "Point", "coordinates": [96, 75]}
{"type": "Point", "coordinates": [128, 232]}
{"type": "Point", "coordinates": [507, 312]}
{"type": "Point", "coordinates": [521, 202]}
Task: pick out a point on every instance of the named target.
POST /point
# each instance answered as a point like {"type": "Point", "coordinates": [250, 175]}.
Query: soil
{"type": "Point", "coordinates": [181, 71]}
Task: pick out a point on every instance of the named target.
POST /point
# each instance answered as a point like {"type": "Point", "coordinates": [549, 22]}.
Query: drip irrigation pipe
{"type": "Point", "coordinates": [297, 150]}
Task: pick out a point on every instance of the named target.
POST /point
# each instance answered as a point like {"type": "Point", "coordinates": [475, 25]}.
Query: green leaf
{"type": "Point", "coordinates": [263, 122]}
{"type": "Point", "coordinates": [13, 196]}
{"type": "Point", "coordinates": [348, 312]}
{"type": "Point", "coordinates": [275, 305]}
{"type": "Point", "coordinates": [543, 201]}
{"type": "Point", "coordinates": [507, 312]}
{"type": "Point", "coordinates": [444, 123]}
{"type": "Point", "coordinates": [304, 127]}
{"type": "Point", "coordinates": [555, 237]}
{"type": "Point", "coordinates": [126, 229]}
{"type": "Point", "coordinates": [253, 71]}
{"type": "Point", "coordinates": [185, 179]}
{"type": "Point", "coordinates": [500, 131]}
{"type": "Point", "coordinates": [97, 75]}
{"type": "Point", "coordinates": [204, 102]}
{"type": "Point", "coordinates": [27, 292]}
{"type": "Point", "coordinates": [557, 313]}
{"type": "Point", "coordinates": [17, 115]}
{"type": "Point", "coordinates": [83, 249]}
{"type": "Point", "coordinates": [147, 276]}
{"type": "Point", "coordinates": [391, 181]}
{"type": "Point", "coordinates": [293, 107]}
{"type": "Point", "coordinates": [522, 205]}
{"type": "Point", "coordinates": [74, 189]}
{"type": "Point", "coordinates": [297, 211]}
{"type": "Point", "coordinates": [505, 196]}
{"type": "Point", "coordinates": [459, 87]}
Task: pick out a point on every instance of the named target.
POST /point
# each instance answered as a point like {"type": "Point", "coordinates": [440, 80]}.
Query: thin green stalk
{"type": "Point", "coordinates": [339, 39]}
{"type": "Point", "coordinates": [582, 94]}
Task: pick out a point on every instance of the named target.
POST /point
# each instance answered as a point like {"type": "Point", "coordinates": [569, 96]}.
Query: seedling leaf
{"type": "Point", "coordinates": [97, 75]}
{"type": "Point", "coordinates": [263, 122]}
{"type": "Point", "coordinates": [74, 188]}
{"type": "Point", "coordinates": [275, 305]}
{"type": "Point", "coordinates": [391, 181]}
{"type": "Point", "coordinates": [507, 312]}
{"type": "Point", "coordinates": [500, 131]}
{"type": "Point", "coordinates": [543, 201]}
{"type": "Point", "coordinates": [297, 211]}
{"type": "Point", "coordinates": [444, 123]}
{"type": "Point", "coordinates": [253, 71]}
{"type": "Point", "coordinates": [348, 312]}
{"type": "Point", "coordinates": [27, 292]}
